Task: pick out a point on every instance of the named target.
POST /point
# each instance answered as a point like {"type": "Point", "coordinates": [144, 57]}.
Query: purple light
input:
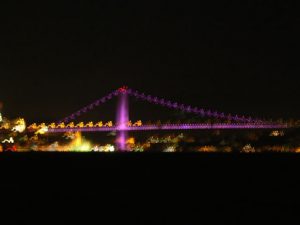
{"type": "Point", "coordinates": [201, 112]}
{"type": "Point", "coordinates": [122, 120]}
{"type": "Point", "coordinates": [198, 126]}
{"type": "Point", "coordinates": [149, 98]}
{"type": "Point", "coordinates": [91, 106]}
{"type": "Point", "coordinates": [129, 91]}
{"type": "Point", "coordinates": [241, 122]}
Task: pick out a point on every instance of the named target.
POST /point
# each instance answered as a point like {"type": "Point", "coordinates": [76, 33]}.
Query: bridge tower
{"type": "Point", "coordinates": [122, 120]}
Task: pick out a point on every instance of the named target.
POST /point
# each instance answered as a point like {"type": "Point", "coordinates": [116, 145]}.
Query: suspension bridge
{"type": "Point", "coordinates": [123, 125]}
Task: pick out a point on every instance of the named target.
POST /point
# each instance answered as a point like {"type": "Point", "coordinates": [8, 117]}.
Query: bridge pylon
{"type": "Point", "coordinates": [122, 120]}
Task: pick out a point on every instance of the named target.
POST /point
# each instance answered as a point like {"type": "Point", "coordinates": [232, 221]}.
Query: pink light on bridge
{"type": "Point", "coordinates": [122, 120]}
{"type": "Point", "coordinates": [199, 126]}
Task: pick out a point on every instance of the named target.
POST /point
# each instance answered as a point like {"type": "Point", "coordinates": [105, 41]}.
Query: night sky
{"type": "Point", "coordinates": [233, 56]}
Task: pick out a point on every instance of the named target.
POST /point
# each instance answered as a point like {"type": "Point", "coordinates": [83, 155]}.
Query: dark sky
{"type": "Point", "coordinates": [233, 56]}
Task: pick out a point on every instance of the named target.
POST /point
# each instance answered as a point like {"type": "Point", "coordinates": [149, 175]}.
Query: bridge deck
{"type": "Point", "coordinates": [170, 127]}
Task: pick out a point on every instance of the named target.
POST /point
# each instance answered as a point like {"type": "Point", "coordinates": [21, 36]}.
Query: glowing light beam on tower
{"type": "Point", "coordinates": [122, 120]}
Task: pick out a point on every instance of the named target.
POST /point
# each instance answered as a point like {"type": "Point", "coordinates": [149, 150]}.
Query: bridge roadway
{"type": "Point", "coordinates": [170, 127]}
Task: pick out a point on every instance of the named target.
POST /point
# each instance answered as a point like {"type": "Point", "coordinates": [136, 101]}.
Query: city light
{"type": "Point", "coordinates": [20, 126]}
{"type": "Point", "coordinates": [10, 140]}
{"type": "Point", "coordinates": [248, 149]}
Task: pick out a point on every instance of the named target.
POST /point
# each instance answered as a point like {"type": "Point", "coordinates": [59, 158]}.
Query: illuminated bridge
{"type": "Point", "coordinates": [123, 124]}
{"type": "Point", "coordinates": [197, 126]}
